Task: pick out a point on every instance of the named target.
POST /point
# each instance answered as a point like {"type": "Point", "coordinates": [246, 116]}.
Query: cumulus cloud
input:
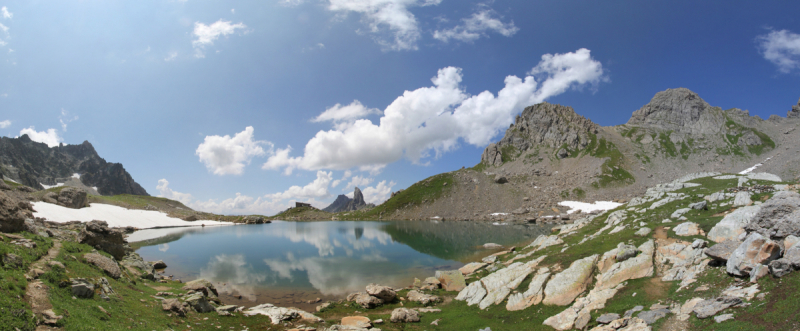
{"type": "Point", "coordinates": [782, 48]}
{"type": "Point", "coordinates": [477, 26]}
{"type": "Point", "coordinates": [316, 189]}
{"type": "Point", "coordinates": [358, 181]}
{"type": "Point", "coordinates": [49, 137]}
{"type": "Point", "coordinates": [207, 34]}
{"type": "Point", "coordinates": [381, 15]}
{"type": "Point", "coordinates": [379, 193]}
{"type": "Point", "coordinates": [226, 155]}
{"type": "Point", "coordinates": [5, 124]}
{"type": "Point", "coordinates": [166, 192]}
{"type": "Point", "coordinates": [434, 119]}
{"type": "Point", "coordinates": [343, 116]}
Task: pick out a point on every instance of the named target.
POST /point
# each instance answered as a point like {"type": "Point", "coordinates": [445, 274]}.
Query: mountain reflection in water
{"type": "Point", "coordinates": [291, 262]}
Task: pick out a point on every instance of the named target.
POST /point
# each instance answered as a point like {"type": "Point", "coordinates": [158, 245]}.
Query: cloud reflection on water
{"type": "Point", "coordinates": [231, 273]}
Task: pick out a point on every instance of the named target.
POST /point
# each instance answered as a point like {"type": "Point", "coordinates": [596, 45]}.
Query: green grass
{"type": "Point", "coordinates": [508, 153]}
{"type": "Point", "coordinates": [613, 171]}
{"type": "Point", "coordinates": [14, 311]}
{"type": "Point", "coordinates": [667, 146]}
{"type": "Point", "coordinates": [12, 184]}
{"type": "Point", "coordinates": [422, 192]}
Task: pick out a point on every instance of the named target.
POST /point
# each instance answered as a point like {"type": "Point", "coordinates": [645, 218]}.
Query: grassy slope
{"type": "Point", "coordinates": [14, 311]}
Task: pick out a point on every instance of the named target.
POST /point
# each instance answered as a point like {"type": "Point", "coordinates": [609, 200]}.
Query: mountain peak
{"type": "Point", "coordinates": [680, 110]}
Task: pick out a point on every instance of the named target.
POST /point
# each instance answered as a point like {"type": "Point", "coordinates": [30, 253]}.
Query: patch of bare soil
{"type": "Point", "coordinates": [36, 292]}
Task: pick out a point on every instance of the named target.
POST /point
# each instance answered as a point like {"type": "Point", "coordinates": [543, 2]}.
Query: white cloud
{"type": "Point", "coordinates": [171, 56]}
{"type": "Point", "coordinates": [379, 193]}
{"type": "Point", "coordinates": [291, 3]}
{"type": "Point", "coordinates": [6, 13]}
{"type": "Point", "coordinates": [166, 192]}
{"type": "Point", "coordinates": [435, 118]}
{"type": "Point", "coordinates": [49, 137]}
{"type": "Point", "coordinates": [226, 155]}
{"type": "Point", "coordinates": [207, 34]}
{"type": "Point", "coordinates": [476, 26]}
{"type": "Point", "coordinates": [65, 118]}
{"type": "Point", "coordinates": [343, 116]}
{"type": "Point", "coordinates": [233, 10]}
{"type": "Point", "coordinates": [781, 48]}
{"type": "Point", "coordinates": [316, 189]}
{"type": "Point", "coordinates": [358, 181]}
{"type": "Point", "coordinates": [382, 14]}
{"type": "Point", "coordinates": [345, 176]}
{"type": "Point", "coordinates": [5, 124]}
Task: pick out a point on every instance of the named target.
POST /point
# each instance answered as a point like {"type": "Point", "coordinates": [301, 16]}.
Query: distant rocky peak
{"type": "Point", "coordinates": [680, 110]}
{"type": "Point", "coordinates": [358, 197]}
{"type": "Point", "coordinates": [544, 124]}
{"type": "Point", "coordinates": [795, 112]}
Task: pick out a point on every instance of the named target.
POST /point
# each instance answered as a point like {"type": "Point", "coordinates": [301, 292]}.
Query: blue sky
{"type": "Point", "coordinates": [200, 100]}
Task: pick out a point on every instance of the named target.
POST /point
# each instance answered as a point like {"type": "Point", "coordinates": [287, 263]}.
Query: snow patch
{"type": "Point", "coordinates": [498, 214]}
{"type": "Point", "coordinates": [115, 216]}
{"type": "Point", "coordinates": [749, 170]}
{"type": "Point", "coordinates": [589, 207]}
{"type": "Point", "coordinates": [51, 186]}
{"type": "Point", "coordinates": [76, 175]}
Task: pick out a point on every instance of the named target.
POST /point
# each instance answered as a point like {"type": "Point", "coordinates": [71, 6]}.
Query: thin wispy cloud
{"type": "Point", "coordinates": [207, 34]}
{"type": "Point", "coordinates": [5, 124]}
{"type": "Point", "coordinates": [6, 14]}
{"type": "Point", "coordinates": [476, 26]}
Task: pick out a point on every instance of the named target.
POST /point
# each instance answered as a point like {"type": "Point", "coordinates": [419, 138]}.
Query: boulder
{"type": "Point", "coordinates": [82, 288]}
{"type": "Point", "coordinates": [159, 264]}
{"type": "Point", "coordinates": [385, 293]}
{"type": "Point", "coordinates": [780, 268]}
{"type": "Point", "coordinates": [199, 303]}
{"type": "Point", "coordinates": [779, 217]}
{"type": "Point", "coordinates": [365, 300]}
{"type": "Point", "coordinates": [471, 268]}
{"type": "Point", "coordinates": [732, 225]}
{"type": "Point", "coordinates": [173, 305]}
{"type": "Point", "coordinates": [13, 213]}
{"type": "Point", "coordinates": [643, 232]}
{"type": "Point", "coordinates": [688, 229]}
{"type": "Point", "coordinates": [97, 234]}
{"type": "Point", "coordinates": [404, 315]}
{"type": "Point", "coordinates": [49, 317]}
{"type": "Point", "coordinates": [451, 280]}
{"type": "Point", "coordinates": [201, 285]}
{"type": "Point", "coordinates": [710, 307]}
{"type": "Point", "coordinates": [579, 314]}
{"type": "Point", "coordinates": [633, 268]}
{"type": "Point", "coordinates": [50, 197]}
{"type": "Point", "coordinates": [742, 199]}
{"type": "Point", "coordinates": [108, 265]}
{"type": "Point", "coordinates": [792, 255]}
{"type": "Point", "coordinates": [500, 179]}
{"type": "Point", "coordinates": [543, 241]}
{"type": "Point", "coordinates": [280, 314]}
{"type": "Point", "coordinates": [138, 266]}
{"type": "Point", "coordinates": [754, 250]}
{"type": "Point", "coordinates": [702, 205]}
{"type": "Point", "coordinates": [652, 316]}
{"type": "Point", "coordinates": [71, 197]}
{"type": "Point", "coordinates": [723, 250]}
{"type": "Point", "coordinates": [356, 322]}
{"type": "Point", "coordinates": [565, 286]}
{"type": "Point", "coordinates": [626, 323]}
{"type": "Point", "coordinates": [424, 299]}
{"type": "Point", "coordinates": [723, 318]}
{"type": "Point", "coordinates": [607, 318]}
{"type": "Point", "coordinates": [533, 295]}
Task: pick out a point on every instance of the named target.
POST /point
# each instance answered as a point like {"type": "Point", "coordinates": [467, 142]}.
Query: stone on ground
{"type": "Point", "coordinates": [780, 268]}
{"type": "Point", "coordinates": [471, 268]}
{"type": "Point", "coordinates": [607, 318]}
{"type": "Point", "coordinates": [357, 322]}
{"type": "Point", "coordinates": [688, 229]}
{"type": "Point", "coordinates": [756, 249]}
{"type": "Point", "coordinates": [201, 285]}
{"type": "Point", "coordinates": [779, 217]}
{"type": "Point", "coordinates": [723, 318]}
{"type": "Point", "coordinates": [385, 293]}
{"type": "Point", "coordinates": [732, 225]}
{"type": "Point", "coordinates": [533, 296]}
{"type": "Point", "coordinates": [500, 283]}
{"type": "Point", "coordinates": [108, 265]}
{"type": "Point", "coordinates": [579, 314]}
{"type": "Point", "coordinates": [404, 315]}
{"type": "Point", "coordinates": [723, 250]}
{"type": "Point", "coordinates": [711, 307]}
{"type": "Point", "coordinates": [280, 314]}
{"type": "Point", "coordinates": [422, 298]}
{"type": "Point", "coordinates": [451, 280]}
{"type": "Point", "coordinates": [173, 305]}
{"type": "Point", "coordinates": [82, 288]}
{"type": "Point", "coordinates": [633, 268]}
{"type": "Point", "coordinates": [651, 316]}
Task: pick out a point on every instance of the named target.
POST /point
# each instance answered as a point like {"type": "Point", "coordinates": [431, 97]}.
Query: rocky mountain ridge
{"type": "Point", "coordinates": [33, 164]}
{"type": "Point", "coordinates": [344, 203]}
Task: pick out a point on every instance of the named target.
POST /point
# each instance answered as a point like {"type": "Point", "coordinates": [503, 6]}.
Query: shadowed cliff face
{"type": "Point", "coordinates": [32, 163]}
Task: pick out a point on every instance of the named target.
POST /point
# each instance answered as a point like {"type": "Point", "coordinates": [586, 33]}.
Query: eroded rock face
{"type": "Point", "coordinates": [533, 295]}
{"type": "Point", "coordinates": [779, 217]}
{"type": "Point", "coordinates": [500, 283]}
{"type": "Point", "coordinates": [199, 303]}
{"type": "Point", "coordinates": [732, 225]}
{"type": "Point", "coordinates": [565, 286]}
{"type": "Point", "coordinates": [711, 307]}
{"type": "Point", "coordinates": [173, 305]}
{"type": "Point", "coordinates": [97, 234]}
{"type": "Point", "coordinates": [13, 213]}
{"type": "Point", "coordinates": [280, 314]}
{"type": "Point", "coordinates": [542, 124]}
{"type": "Point", "coordinates": [680, 110]}
{"type": "Point", "coordinates": [579, 314]}
{"type": "Point", "coordinates": [723, 250]}
{"type": "Point", "coordinates": [756, 249]}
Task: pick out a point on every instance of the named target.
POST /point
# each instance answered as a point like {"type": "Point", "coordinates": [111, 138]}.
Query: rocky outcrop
{"type": "Point", "coordinates": [97, 234]}
{"type": "Point", "coordinates": [679, 110]}
{"type": "Point", "coordinates": [732, 226]}
{"type": "Point", "coordinates": [778, 218]}
{"type": "Point", "coordinates": [280, 314]}
{"type": "Point", "coordinates": [421, 298]}
{"type": "Point", "coordinates": [632, 268]}
{"type": "Point", "coordinates": [722, 251]}
{"type": "Point", "coordinates": [13, 213]}
{"type": "Point", "coordinates": [710, 307]}
{"type": "Point", "coordinates": [31, 163]}
{"type": "Point", "coordinates": [108, 265]}
{"type": "Point", "coordinates": [404, 315]}
{"type": "Point", "coordinates": [795, 112]}
{"type": "Point", "coordinates": [579, 314]}
{"type": "Point", "coordinates": [338, 205]}
{"type": "Point", "coordinates": [755, 250]}
{"type": "Point", "coordinates": [688, 229]}
{"type": "Point", "coordinates": [385, 293]}
{"type": "Point", "coordinates": [533, 296]}
{"type": "Point", "coordinates": [72, 198]}
{"type": "Point", "coordinates": [565, 286]}
{"type": "Point", "coordinates": [543, 124]}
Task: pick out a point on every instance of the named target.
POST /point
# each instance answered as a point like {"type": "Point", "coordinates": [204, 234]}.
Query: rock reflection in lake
{"type": "Point", "coordinates": [292, 262]}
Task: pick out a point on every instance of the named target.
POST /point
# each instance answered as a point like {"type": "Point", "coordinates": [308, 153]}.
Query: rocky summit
{"type": "Point", "coordinates": [343, 203]}
{"type": "Point", "coordinates": [32, 164]}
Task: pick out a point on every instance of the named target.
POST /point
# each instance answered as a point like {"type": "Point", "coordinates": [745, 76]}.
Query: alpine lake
{"type": "Point", "coordinates": [294, 263]}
